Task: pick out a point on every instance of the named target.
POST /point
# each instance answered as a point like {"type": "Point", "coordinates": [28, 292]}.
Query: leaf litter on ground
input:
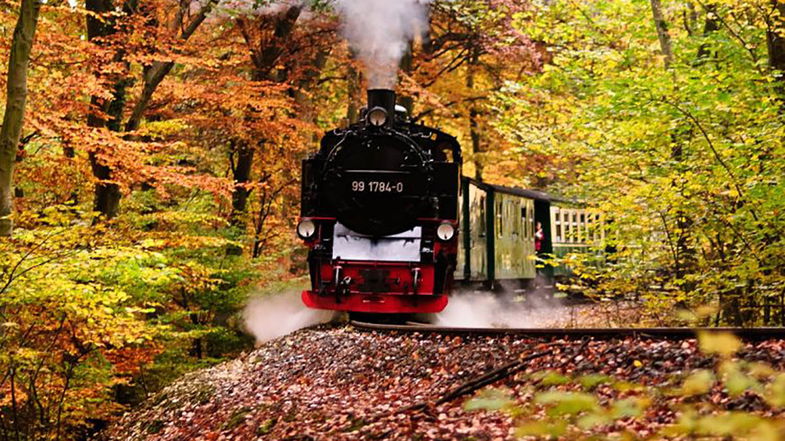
{"type": "Point", "coordinates": [338, 383]}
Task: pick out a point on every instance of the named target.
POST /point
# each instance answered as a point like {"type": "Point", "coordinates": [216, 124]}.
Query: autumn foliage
{"type": "Point", "coordinates": [155, 178]}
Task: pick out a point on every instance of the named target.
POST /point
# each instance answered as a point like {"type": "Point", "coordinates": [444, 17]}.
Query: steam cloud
{"type": "Point", "coordinates": [276, 315]}
{"type": "Point", "coordinates": [489, 310]}
{"type": "Point", "coordinates": [380, 31]}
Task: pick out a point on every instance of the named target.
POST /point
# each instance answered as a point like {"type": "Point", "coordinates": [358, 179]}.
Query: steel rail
{"type": "Point", "coordinates": [675, 333]}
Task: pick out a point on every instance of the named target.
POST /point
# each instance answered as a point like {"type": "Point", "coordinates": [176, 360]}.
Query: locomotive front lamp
{"type": "Point", "coordinates": [306, 229]}
{"type": "Point", "coordinates": [377, 116]}
{"type": "Point", "coordinates": [445, 232]}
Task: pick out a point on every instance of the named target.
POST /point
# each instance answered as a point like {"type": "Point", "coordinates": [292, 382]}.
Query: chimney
{"type": "Point", "coordinates": [385, 99]}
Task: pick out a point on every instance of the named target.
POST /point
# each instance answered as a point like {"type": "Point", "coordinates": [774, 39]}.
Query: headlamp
{"type": "Point", "coordinates": [445, 232]}
{"type": "Point", "coordinates": [306, 229]}
{"type": "Point", "coordinates": [377, 116]}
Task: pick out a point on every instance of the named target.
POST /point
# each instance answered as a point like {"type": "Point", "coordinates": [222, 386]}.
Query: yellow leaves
{"type": "Point", "coordinates": [721, 343]}
{"type": "Point", "coordinates": [775, 392]}
{"type": "Point", "coordinates": [697, 383]}
{"type": "Point", "coordinates": [735, 425]}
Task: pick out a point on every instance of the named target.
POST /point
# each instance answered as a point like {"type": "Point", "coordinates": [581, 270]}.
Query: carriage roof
{"type": "Point", "coordinates": [526, 193]}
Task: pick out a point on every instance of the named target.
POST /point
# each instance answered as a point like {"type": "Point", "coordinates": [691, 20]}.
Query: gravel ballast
{"type": "Point", "coordinates": [339, 383]}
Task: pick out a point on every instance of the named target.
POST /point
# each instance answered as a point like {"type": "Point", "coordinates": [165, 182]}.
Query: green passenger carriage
{"type": "Point", "coordinates": [498, 226]}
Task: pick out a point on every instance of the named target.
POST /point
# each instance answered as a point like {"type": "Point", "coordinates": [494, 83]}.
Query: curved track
{"type": "Point", "coordinates": [674, 333]}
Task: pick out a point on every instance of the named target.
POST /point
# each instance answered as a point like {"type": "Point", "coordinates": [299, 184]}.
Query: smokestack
{"type": "Point", "coordinates": [384, 98]}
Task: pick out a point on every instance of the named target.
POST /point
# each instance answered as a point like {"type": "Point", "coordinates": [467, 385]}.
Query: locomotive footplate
{"type": "Point", "coordinates": [377, 302]}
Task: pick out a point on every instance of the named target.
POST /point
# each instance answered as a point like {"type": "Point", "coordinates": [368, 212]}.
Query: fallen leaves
{"type": "Point", "coordinates": [341, 384]}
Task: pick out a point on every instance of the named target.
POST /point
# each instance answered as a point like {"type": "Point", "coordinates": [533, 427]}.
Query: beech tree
{"type": "Point", "coordinates": [16, 97]}
{"type": "Point", "coordinates": [106, 28]}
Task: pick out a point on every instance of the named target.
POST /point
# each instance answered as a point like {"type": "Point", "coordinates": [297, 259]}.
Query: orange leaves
{"type": "Point", "coordinates": [129, 360]}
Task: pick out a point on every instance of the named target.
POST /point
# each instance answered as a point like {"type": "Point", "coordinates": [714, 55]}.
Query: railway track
{"type": "Point", "coordinates": [665, 333]}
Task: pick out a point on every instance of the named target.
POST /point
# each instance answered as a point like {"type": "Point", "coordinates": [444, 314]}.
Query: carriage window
{"type": "Point", "coordinates": [573, 227]}
{"type": "Point", "coordinates": [564, 220]}
{"type": "Point", "coordinates": [525, 220]}
{"type": "Point", "coordinates": [481, 223]}
{"type": "Point", "coordinates": [499, 219]}
{"type": "Point", "coordinates": [532, 220]}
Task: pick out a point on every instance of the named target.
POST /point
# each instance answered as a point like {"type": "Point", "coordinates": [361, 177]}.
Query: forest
{"type": "Point", "coordinates": [150, 162]}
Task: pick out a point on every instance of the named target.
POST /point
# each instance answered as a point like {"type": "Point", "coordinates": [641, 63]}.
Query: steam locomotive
{"type": "Point", "coordinates": [380, 208]}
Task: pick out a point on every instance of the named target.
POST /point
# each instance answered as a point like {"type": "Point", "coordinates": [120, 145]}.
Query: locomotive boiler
{"type": "Point", "coordinates": [379, 214]}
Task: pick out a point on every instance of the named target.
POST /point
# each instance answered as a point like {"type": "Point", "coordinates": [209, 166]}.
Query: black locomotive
{"type": "Point", "coordinates": [380, 213]}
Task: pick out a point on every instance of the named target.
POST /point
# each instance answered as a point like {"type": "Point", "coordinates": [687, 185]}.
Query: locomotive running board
{"type": "Point", "coordinates": [376, 303]}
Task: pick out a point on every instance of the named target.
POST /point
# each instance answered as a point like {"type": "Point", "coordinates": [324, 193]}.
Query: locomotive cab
{"type": "Point", "coordinates": [379, 214]}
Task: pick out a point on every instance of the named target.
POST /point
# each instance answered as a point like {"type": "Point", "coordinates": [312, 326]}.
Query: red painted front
{"type": "Point", "coordinates": [399, 277]}
{"type": "Point", "coordinates": [380, 287]}
{"type": "Point", "coordinates": [377, 303]}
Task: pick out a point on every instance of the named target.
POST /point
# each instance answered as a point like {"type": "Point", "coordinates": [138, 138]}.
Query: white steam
{"type": "Point", "coordinates": [276, 315]}
{"type": "Point", "coordinates": [379, 31]}
{"type": "Point", "coordinates": [489, 310]}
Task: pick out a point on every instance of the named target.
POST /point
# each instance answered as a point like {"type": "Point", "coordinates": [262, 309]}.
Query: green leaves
{"type": "Point", "coordinates": [86, 308]}
{"type": "Point", "coordinates": [567, 403]}
{"type": "Point", "coordinates": [688, 162]}
{"type": "Point", "coordinates": [591, 381]}
{"type": "Point", "coordinates": [490, 399]}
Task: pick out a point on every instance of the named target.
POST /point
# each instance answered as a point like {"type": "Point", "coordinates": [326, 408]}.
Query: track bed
{"type": "Point", "coordinates": [341, 383]}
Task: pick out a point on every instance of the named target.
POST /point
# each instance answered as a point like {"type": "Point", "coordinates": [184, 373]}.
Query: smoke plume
{"type": "Point", "coordinates": [379, 31]}
{"type": "Point", "coordinates": [273, 316]}
{"type": "Point", "coordinates": [490, 310]}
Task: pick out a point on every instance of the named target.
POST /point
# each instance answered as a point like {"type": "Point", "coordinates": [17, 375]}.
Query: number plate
{"type": "Point", "coordinates": [377, 186]}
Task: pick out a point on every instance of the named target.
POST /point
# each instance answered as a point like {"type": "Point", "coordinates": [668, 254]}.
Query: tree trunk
{"type": "Point", "coordinates": [474, 120]}
{"type": "Point", "coordinates": [242, 175]}
{"type": "Point", "coordinates": [160, 69]}
{"type": "Point", "coordinates": [101, 24]}
{"type": "Point", "coordinates": [106, 198]}
{"type": "Point", "coordinates": [406, 67]}
{"type": "Point", "coordinates": [265, 59]}
{"type": "Point", "coordinates": [305, 107]}
{"type": "Point", "coordinates": [353, 100]}
{"type": "Point", "coordinates": [107, 194]}
{"type": "Point", "coordinates": [18, 63]}
{"type": "Point", "coordinates": [662, 32]}
{"type": "Point", "coordinates": [711, 25]}
{"type": "Point", "coordinates": [776, 44]}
